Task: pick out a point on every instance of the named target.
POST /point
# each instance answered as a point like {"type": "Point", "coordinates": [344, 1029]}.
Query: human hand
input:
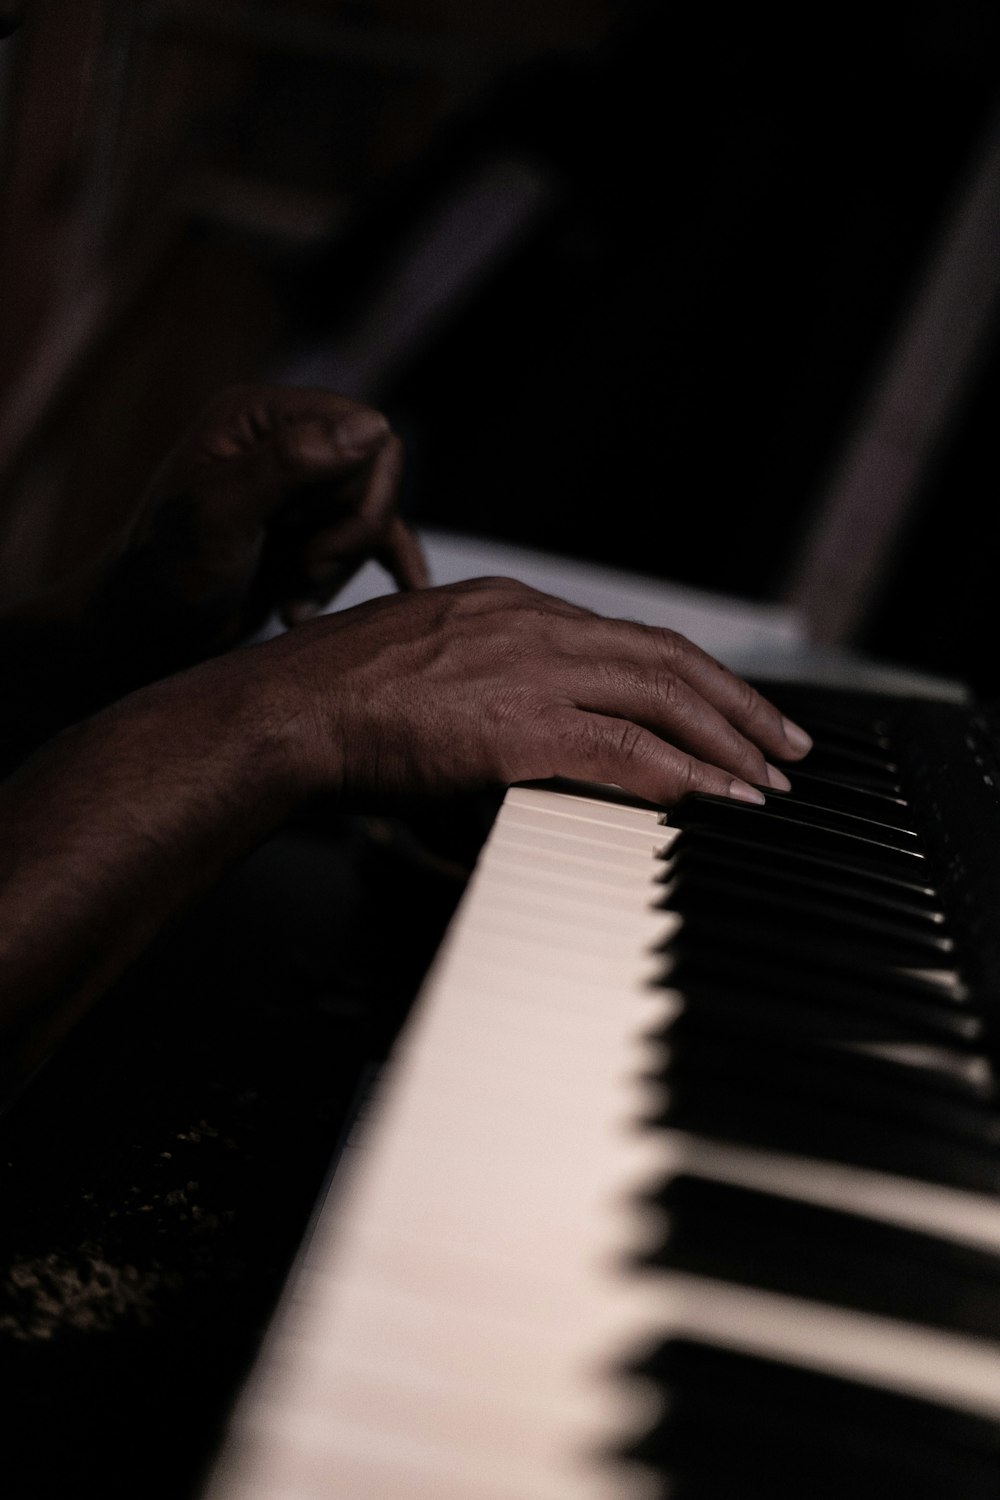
{"type": "Point", "coordinates": [120, 821]}
{"type": "Point", "coordinates": [271, 500]}
{"type": "Point", "coordinates": [488, 682]}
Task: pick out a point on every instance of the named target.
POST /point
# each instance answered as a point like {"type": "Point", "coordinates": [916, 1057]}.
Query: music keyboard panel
{"type": "Point", "coordinates": [602, 1174]}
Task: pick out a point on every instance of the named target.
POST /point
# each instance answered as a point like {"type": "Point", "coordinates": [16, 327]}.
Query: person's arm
{"type": "Point", "coordinates": [112, 828]}
{"type": "Point", "coordinates": [124, 818]}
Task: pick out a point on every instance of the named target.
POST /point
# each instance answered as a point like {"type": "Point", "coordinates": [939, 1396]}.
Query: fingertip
{"type": "Point", "coordinates": [741, 791]}
{"type": "Point", "coordinates": [776, 779]}
{"type": "Point", "coordinates": [406, 559]}
{"type": "Point", "coordinates": [798, 741]}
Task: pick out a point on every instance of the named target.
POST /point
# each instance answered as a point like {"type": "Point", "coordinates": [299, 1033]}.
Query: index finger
{"type": "Point", "coordinates": [403, 556]}
{"type": "Point", "coordinates": [373, 528]}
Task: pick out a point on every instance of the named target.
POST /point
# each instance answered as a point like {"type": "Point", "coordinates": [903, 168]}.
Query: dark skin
{"type": "Point", "coordinates": [271, 501]}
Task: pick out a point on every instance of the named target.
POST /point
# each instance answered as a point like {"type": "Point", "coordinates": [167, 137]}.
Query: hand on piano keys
{"type": "Point", "coordinates": [683, 1178]}
{"type": "Point", "coordinates": [488, 682]}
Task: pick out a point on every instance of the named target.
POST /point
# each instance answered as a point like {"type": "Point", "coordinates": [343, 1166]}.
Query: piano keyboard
{"type": "Point", "coordinates": [682, 1179]}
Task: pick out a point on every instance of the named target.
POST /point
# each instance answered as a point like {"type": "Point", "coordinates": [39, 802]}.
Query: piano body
{"type": "Point", "coordinates": [682, 1176]}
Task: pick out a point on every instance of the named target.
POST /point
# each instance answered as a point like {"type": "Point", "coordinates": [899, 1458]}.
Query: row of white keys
{"type": "Point", "coordinates": [452, 1327]}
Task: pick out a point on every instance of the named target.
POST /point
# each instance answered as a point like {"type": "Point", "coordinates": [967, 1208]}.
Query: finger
{"type": "Point", "coordinates": [373, 530]}
{"type": "Point", "coordinates": [597, 747]}
{"type": "Point", "coordinates": [243, 418]}
{"type": "Point", "coordinates": [304, 450]}
{"type": "Point", "coordinates": [329, 572]}
{"type": "Point", "coordinates": [669, 655]}
{"type": "Point", "coordinates": [377, 506]}
{"type": "Point", "coordinates": [753, 714]}
{"type": "Point", "coordinates": [402, 555]}
{"type": "Point", "coordinates": [299, 450]}
{"type": "Point", "coordinates": [662, 702]}
{"type": "Point", "coordinates": [362, 523]}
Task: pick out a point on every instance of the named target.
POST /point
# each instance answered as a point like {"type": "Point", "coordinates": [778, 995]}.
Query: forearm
{"type": "Point", "coordinates": [114, 827]}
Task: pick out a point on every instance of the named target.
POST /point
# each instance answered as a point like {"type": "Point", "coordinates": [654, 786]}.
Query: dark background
{"type": "Point", "coordinates": [656, 369]}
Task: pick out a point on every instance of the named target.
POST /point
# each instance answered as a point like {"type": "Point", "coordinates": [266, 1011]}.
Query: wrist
{"type": "Point", "coordinates": [216, 730]}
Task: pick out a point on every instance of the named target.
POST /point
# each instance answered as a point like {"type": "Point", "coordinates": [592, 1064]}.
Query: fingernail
{"type": "Point", "coordinates": [744, 793]}
{"type": "Point", "coordinates": [361, 429]}
{"type": "Point", "coordinates": [796, 737]}
{"type": "Point", "coordinates": [777, 779]}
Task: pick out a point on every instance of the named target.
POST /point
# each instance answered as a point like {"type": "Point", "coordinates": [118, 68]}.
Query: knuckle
{"type": "Point", "coordinates": [501, 584]}
{"type": "Point", "coordinates": [672, 644]}
{"type": "Point", "coordinates": [748, 701]}
{"type": "Point", "coordinates": [683, 776]}
{"type": "Point", "coordinates": [483, 595]}
{"type": "Point", "coordinates": [689, 776]}
{"type": "Point", "coordinates": [629, 740]}
{"type": "Point", "coordinates": [669, 690]}
{"type": "Point", "coordinates": [487, 582]}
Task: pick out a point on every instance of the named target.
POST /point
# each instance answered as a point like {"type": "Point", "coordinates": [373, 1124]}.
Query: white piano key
{"type": "Point", "coordinates": [528, 838]}
{"type": "Point", "coordinates": [513, 881]}
{"type": "Point", "coordinates": [651, 838]}
{"type": "Point", "coordinates": [584, 809]}
{"type": "Point", "coordinates": [453, 1328]}
{"type": "Point", "coordinates": [630, 876]}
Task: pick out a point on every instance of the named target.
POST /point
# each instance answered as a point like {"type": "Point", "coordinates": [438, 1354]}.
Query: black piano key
{"type": "Point", "coordinates": [726, 844]}
{"type": "Point", "coordinates": [779, 906]}
{"type": "Point", "coordinates": [872, 734]}
{"type": "Point", "coordinates": [830, 1131]}
{"type": "Point", "coordinates": [771, 827]}
{"type": "Point", "coordinates": [760, 870]}
{"type": "Point", "coordinates": [876, 753]}
{"type": "Point", "coordinates": [854, 765]}
{"type": "Point", "coordinates": [860, 1086]}
{"type": "Point", "coordinates": [840, 1016]}
{"type": "Point", "coordinates": [849, 773]}
{"type": "Point", "coordinates": [813, 814]}
{"type": "Point", "coordinates": [739, 1426]}
{"type": "Point", "coordinates": [760, 946]}
{"type": "Point", "coordinates": [801, 1249]}
{"type": "Point", "coordinates": [882, 806]}
{"type": "Point", "coordinates": [816, 813]}
{"type": "Point", "coordinates": [719, 952]}
{"type": "Point", "coordinates": [957, 1071]}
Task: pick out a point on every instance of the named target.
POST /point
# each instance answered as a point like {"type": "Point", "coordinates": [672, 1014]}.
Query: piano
{"type": "Point", "coordinates": [682, 1177]}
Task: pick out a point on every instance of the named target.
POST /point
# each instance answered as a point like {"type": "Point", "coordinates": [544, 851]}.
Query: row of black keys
{"type": "Point", "coordinates": [827, 1011]}
{"type": "Point", "coordinates": [773, 950]}
{"type": "Point", "coordinates": [827, 1014]}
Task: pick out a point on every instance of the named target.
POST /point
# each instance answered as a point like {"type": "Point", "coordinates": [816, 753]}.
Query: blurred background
{"type": "Point", "coordinates": [705, 294]}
